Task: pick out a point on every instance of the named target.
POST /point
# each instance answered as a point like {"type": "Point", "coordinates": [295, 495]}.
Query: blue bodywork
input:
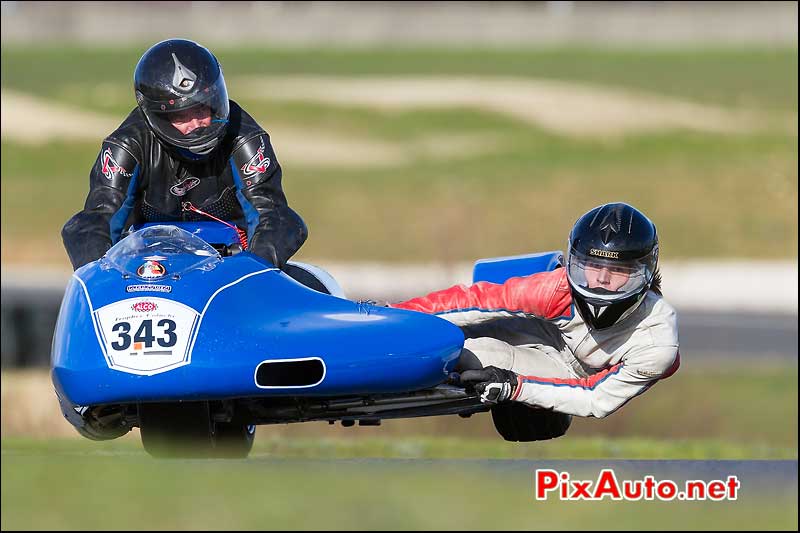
{"type": "Point", "coordinates": [500, 269]}
{"type": "Point", "coordinates": [237, 312]}
{"type": "Point", "coordinates": [247, 312]}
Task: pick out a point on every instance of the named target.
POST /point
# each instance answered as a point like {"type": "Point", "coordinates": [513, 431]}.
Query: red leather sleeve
{"type": "Point", "coordinates": [545, 295]}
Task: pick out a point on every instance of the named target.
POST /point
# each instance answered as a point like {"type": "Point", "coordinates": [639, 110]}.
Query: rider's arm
{"type": "Point", "coordinates": [275, 232]}
{"type": "Point", "coordinates": [90, 233]}
{"type": "Point", "coordinates": [544, 295]}
{"type": "Point", "coordinates": [603, 393]}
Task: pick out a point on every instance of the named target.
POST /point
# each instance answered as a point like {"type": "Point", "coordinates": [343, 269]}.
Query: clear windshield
{"type": "Point", "coordinates": [151, 250]}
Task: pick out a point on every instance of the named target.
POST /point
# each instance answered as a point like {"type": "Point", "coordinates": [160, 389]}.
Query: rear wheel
{"type": "Point", "coordinates": [234, 440]}
{"type": "Point", "coordinates": [517, 422]}
{"type": "Point", "coordinates": [187, 429]}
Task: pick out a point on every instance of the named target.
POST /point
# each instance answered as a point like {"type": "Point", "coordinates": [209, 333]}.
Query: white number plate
{"type": "Point", "coordinates": [146, 335]}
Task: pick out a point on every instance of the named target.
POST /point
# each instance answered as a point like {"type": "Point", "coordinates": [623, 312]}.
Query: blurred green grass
{"type": "Point", "coordinates": [737, 76]}
{"type": "Point", "coordinates": [711, 195]}
{"type": "Point", "coordinates": [314, 476]}
{"type": "Point", "coordinates": [745, 402]}
{"type": "Point", "coordinates": [59, 486]}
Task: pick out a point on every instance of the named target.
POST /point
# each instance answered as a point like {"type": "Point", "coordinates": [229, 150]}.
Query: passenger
{"type": "Point", "coordinates": [581, 340]}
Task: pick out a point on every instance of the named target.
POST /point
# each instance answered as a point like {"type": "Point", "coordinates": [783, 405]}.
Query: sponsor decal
{"type": "Point", "coordinates": [604, 253]}
{"type": "Point", "coordinates": [146, 336]}
{"type": "Point", "coordinates": [148, 288]}
{"type": "Point", "coordinates": [111, 167]}
{"type": "Point", "coordinates": [151, 270]}
{"type": "Point", "coordinates": [144, 306]}
{"type": "Point", "coordinates": [185, 186]}
{"type": "Point", "coordinates": [258, 164]}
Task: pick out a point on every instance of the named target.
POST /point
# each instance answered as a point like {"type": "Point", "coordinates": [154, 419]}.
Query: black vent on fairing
{"type": "Point", "coordinates": [305, 372]}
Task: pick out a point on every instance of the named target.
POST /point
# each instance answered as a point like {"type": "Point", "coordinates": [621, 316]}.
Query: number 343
{"type": "Point", "coordinates": [144, 334]}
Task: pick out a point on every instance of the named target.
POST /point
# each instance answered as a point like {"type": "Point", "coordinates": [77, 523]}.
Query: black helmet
{"type": "Point", "coordinates": [611, 262]}
{"type": "Point", "coordinates": [177, 75]}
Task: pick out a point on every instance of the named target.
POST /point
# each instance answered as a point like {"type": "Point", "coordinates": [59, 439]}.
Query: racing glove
{"type": "Point", "coordinates": [494, 384]}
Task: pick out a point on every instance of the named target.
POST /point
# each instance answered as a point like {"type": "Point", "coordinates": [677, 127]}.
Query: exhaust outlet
{"type": "Point", "coordinates": [290, 373]}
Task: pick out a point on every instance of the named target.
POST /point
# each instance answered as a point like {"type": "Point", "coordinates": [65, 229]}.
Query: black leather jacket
{"type": "Point", "coordinates": [136, 179]}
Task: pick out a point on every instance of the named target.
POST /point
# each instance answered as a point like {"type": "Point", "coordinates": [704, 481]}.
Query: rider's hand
{"type": "Point", "coordinates": [494, 384]}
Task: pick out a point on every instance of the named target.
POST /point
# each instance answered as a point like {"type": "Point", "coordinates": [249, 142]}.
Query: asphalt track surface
{"type": "Point", "coordinates": [754, 475]}
{"type": "Point", "coordinates": [774, 473]}
{"type": "Point", "coordinates": [739, 335]}
{"type": "Point", "coordinates": [757, 479]}
{"type": "Point", "coordinates": [780, 473]}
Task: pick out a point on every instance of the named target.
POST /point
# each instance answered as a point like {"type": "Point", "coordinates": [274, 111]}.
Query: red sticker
{"type": "Point", "coordinates": [151, 270]}
{"type": "Point", "coordinates": [144, 307]}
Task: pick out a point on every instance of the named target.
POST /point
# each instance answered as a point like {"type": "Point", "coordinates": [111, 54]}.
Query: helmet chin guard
{"type": "Point", "coordinates": [603, 315]}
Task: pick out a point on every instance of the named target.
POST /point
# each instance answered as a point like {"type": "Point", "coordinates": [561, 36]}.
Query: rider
{"type": "Point", "coordinates": [580, 340]}
{"type": "Point", "coordinates": [185, 152]}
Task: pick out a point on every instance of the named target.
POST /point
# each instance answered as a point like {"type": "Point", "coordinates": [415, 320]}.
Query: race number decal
{"type": "Point", "coordinates": [146, 335]}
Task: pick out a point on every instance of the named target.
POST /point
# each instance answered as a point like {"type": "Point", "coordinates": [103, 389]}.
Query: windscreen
{"type": "Point", "coordinates": [155, 252]}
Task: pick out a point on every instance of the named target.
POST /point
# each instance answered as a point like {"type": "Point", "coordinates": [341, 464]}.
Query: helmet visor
{"type": "Point", "coordinates": [604, 280]}
{"type": "Point", "coordinates": [191, 122]}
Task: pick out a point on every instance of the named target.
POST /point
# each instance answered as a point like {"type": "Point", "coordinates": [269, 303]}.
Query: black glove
{"type": "Point", "coordinates": [494, 384]}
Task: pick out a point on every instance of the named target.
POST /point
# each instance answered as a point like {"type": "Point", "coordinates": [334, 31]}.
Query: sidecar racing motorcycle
{"type": "Point", "coordinates": [181, 332]}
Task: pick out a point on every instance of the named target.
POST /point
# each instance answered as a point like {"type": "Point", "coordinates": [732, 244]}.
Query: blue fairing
{"type": "Point", "coordinates": [232, 313]}
{"type": "Point", "coordinates": [500, 269]}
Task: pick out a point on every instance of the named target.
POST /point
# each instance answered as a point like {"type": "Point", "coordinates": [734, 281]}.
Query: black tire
{"type": "Point", "coordinates": [186, 430]}
{"type": "Point", "coordinates": [176, 429]}
{"type": "Point", "coordinates": [234, 440]}
{"type": "Point", "coordinates": [517, 422]}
